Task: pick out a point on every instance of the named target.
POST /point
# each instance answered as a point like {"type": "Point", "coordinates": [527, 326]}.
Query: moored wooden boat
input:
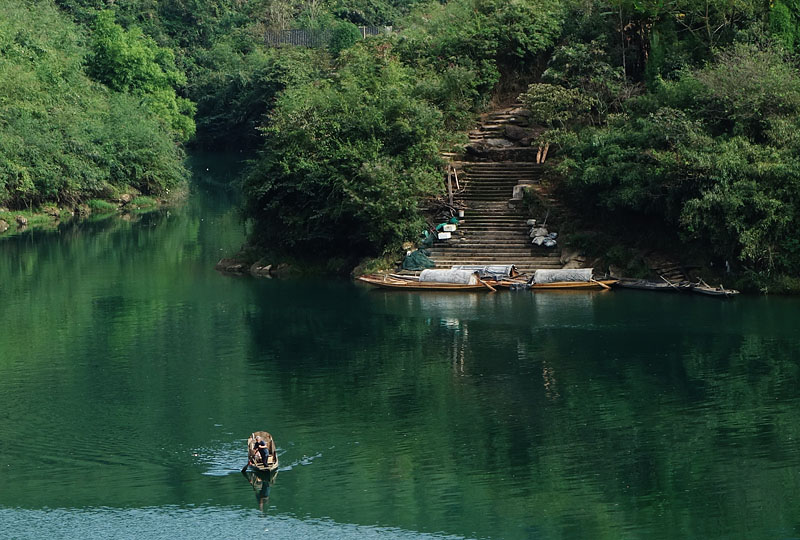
{"type": "Point", "coordinates": [254, 460]}
{"type": "Point", "coordinates": [575, 285]}
{"type": "Point", "coordinates": [386, 281]}
{"type": "Point", "coordinates": [647, 285]}
{"type": "Point", "coordinates": [704, 288]}
{"type": "Point", "coordinates": [568, 278]}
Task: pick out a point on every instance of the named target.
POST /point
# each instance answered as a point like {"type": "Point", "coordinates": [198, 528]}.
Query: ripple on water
{"type": "Point", "coordinates": [229, 458]}
{"type": "Point", "coordinates": [209, 523]}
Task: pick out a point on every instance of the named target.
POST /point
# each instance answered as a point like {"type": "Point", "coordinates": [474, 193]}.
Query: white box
{"type": "Point", "coordinates": [449, 228]}
{"type": "Point", "coordinates": [444, 235]}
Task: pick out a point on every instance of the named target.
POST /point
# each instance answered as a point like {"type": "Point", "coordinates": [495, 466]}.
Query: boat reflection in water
{"type": "Point", "coordinates": [262, 483]}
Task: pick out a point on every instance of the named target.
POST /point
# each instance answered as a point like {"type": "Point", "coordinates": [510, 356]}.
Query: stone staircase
{"type": "Point", "coordinates": [492, 230]}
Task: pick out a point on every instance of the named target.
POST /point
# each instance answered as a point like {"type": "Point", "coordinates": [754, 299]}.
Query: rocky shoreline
{"type": "Point", "coordinates": [50, 216]}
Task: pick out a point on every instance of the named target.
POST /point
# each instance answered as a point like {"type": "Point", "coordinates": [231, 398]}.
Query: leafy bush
{"type": "Point", "coordinates": [346, 161]}
{"type": "Point", "coordinates": [64, 138]}
{"type": "Point", "coordinates": [711, 156]}
{"type": "Point", "coordinates": [101, 206]}
{"type": "Point", "coordinates": [343, 36]}
{"type": "Point", "coordinates": [128, 61]}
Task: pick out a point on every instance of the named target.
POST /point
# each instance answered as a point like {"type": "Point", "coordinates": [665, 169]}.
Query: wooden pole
{"type": "Point", "coordinates": [449, 188]}
{"type": "Point", "coordinates": [603, 285]}
{"type": "Point", "coordinates": [668, 282]}
{"type": "Point", "coordinates": [489, 286]}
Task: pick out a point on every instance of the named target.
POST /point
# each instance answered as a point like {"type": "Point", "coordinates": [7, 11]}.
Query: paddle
{"type": "Point", "coordinates": [253, 437]}
{"type": "Point", "coordinates": [490, 287]}
{"type": "Point", "coordinates": [603, 285]}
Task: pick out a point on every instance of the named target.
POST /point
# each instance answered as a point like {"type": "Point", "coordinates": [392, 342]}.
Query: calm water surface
{"type": "Point", "coordinates": [131, 373]}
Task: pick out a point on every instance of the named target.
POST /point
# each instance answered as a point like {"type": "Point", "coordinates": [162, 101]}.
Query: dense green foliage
{"type": "Point", "coordinates": [348, 157]}
{"type": "Point", "coordinates": [346, 160]}
{"type": "Point", "coordinates": [128, 61]}
{"type": "Point", "coordinates": [679, 121]}
{"type": "Point", "coordinates": [63, 137]}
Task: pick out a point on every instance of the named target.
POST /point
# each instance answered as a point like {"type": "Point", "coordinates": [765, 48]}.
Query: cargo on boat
{"type": "Point", "coordinates": [572, 278]}
{"type": "Point", "coordinates": [430, 280]}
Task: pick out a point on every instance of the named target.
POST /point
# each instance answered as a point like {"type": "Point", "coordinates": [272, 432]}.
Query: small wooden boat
{"type": "Point", "coordinates": [704, 288]}
{"type": "Point", "coordinates": [568, 278]}
{"type": "Point", "coordinates": [658, 286]}
{"type": "Point", "coordinates": [604, 284]}
{"type": "Point", "coordinates": [386, 281]}
{"type": "Point", "coordinates": [254, 460]}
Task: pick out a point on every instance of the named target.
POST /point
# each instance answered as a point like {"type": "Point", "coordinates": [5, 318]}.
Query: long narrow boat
{"type": "Point", "coordinates": [254, 460]}
{"type": "Point", "coordinates": [575, 285]}
{"type": "Point", "coordinates": [385, 281]}
{"type": "Point", "coordinates": [647, 285]}
{"type": "Point", "coordinates": [567, 278]}
{"type": "Point", "coordinates": [708, 290]}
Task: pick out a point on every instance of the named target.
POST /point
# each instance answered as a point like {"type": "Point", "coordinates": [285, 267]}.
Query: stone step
{"type": "Point", "coordinates": [516, 228]}
{"type": "Point", "coordinates": [490, 259]}
{"type": "Point", "coordinates": [489, 166]}
{"type": "Point", "coordinates": [469, 254]}
{"type": "Point", "coordinates": [488, 206]}
{"type": "Point", "coordinates": [496, 197]}
{"type": "Point", "coordinates": [476, 184]}
{"type": "Point", "coordinates": [522, 266]}
{"type": "Point", "coordinates": [484, 219]}
{"type": "Point", "coordinates": [519, 227]}
{"type": "Point", "coordinates": [486, 258]}
{"type": "Point", "coordinates": [488, 189]}
{"type": "Point", "coordinates": [501, 173]}
{"type": "Point", "coordinates": [489, 169]}
{"type": "Point", "coordinates": [474, 243]}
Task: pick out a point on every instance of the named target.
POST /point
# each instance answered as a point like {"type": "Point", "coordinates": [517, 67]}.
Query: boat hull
{"type": "Point", "coordinates": [645, 285]}
{"type": "Point", "coordinates": [388, 282]}
{"type": "Point", "coordinates": [259, 468]}
{"type": "Point", "coordinates": [720, 293]}
{"type": "Point", "coordinates": [574, 285]}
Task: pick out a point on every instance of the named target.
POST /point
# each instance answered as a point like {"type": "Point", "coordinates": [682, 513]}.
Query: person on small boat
{"type": "Point", "coordinates": [261, 447]}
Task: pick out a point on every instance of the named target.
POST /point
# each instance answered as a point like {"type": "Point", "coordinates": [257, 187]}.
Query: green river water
{"type": "Point", "coordinates": [131, 374]}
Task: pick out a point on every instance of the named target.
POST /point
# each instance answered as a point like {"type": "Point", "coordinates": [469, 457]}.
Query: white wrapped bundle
{"type": "Point", "coordinates": [463, 277]}
{"type": "Point", "coordinates": [571, 275]}
{"type": "Point", "coordinates": [495, 271]}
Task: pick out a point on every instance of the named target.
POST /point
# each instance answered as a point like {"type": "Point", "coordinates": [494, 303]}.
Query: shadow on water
{"type": "Point", "coordinates": [262, 483]}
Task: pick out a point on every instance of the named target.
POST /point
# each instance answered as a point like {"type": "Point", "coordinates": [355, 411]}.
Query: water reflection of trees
{"type": "Point", "coordinates": [619, 410]}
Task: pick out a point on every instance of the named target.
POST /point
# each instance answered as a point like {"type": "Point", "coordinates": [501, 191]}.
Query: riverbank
{"type": "Point", "coordinates": [50, 216]}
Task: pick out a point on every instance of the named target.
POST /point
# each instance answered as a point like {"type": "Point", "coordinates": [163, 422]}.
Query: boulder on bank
{"type": "Point", "coordinates": [3, 226]}
{"type": "Point", "coordinates": [231, 266]}
{"type": "Point", "coordinates": [515, 133]}
{"type": "Point", "coordinates": [261, 269]}
{"type": "Point", "coordinates": [498, 143]}
{"type": "Point", "coordinates": [51, 211]}
{"type": "Point", "coordinates": [22, 221]}
{"type": "Point", "coordinates": [284, 269]}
